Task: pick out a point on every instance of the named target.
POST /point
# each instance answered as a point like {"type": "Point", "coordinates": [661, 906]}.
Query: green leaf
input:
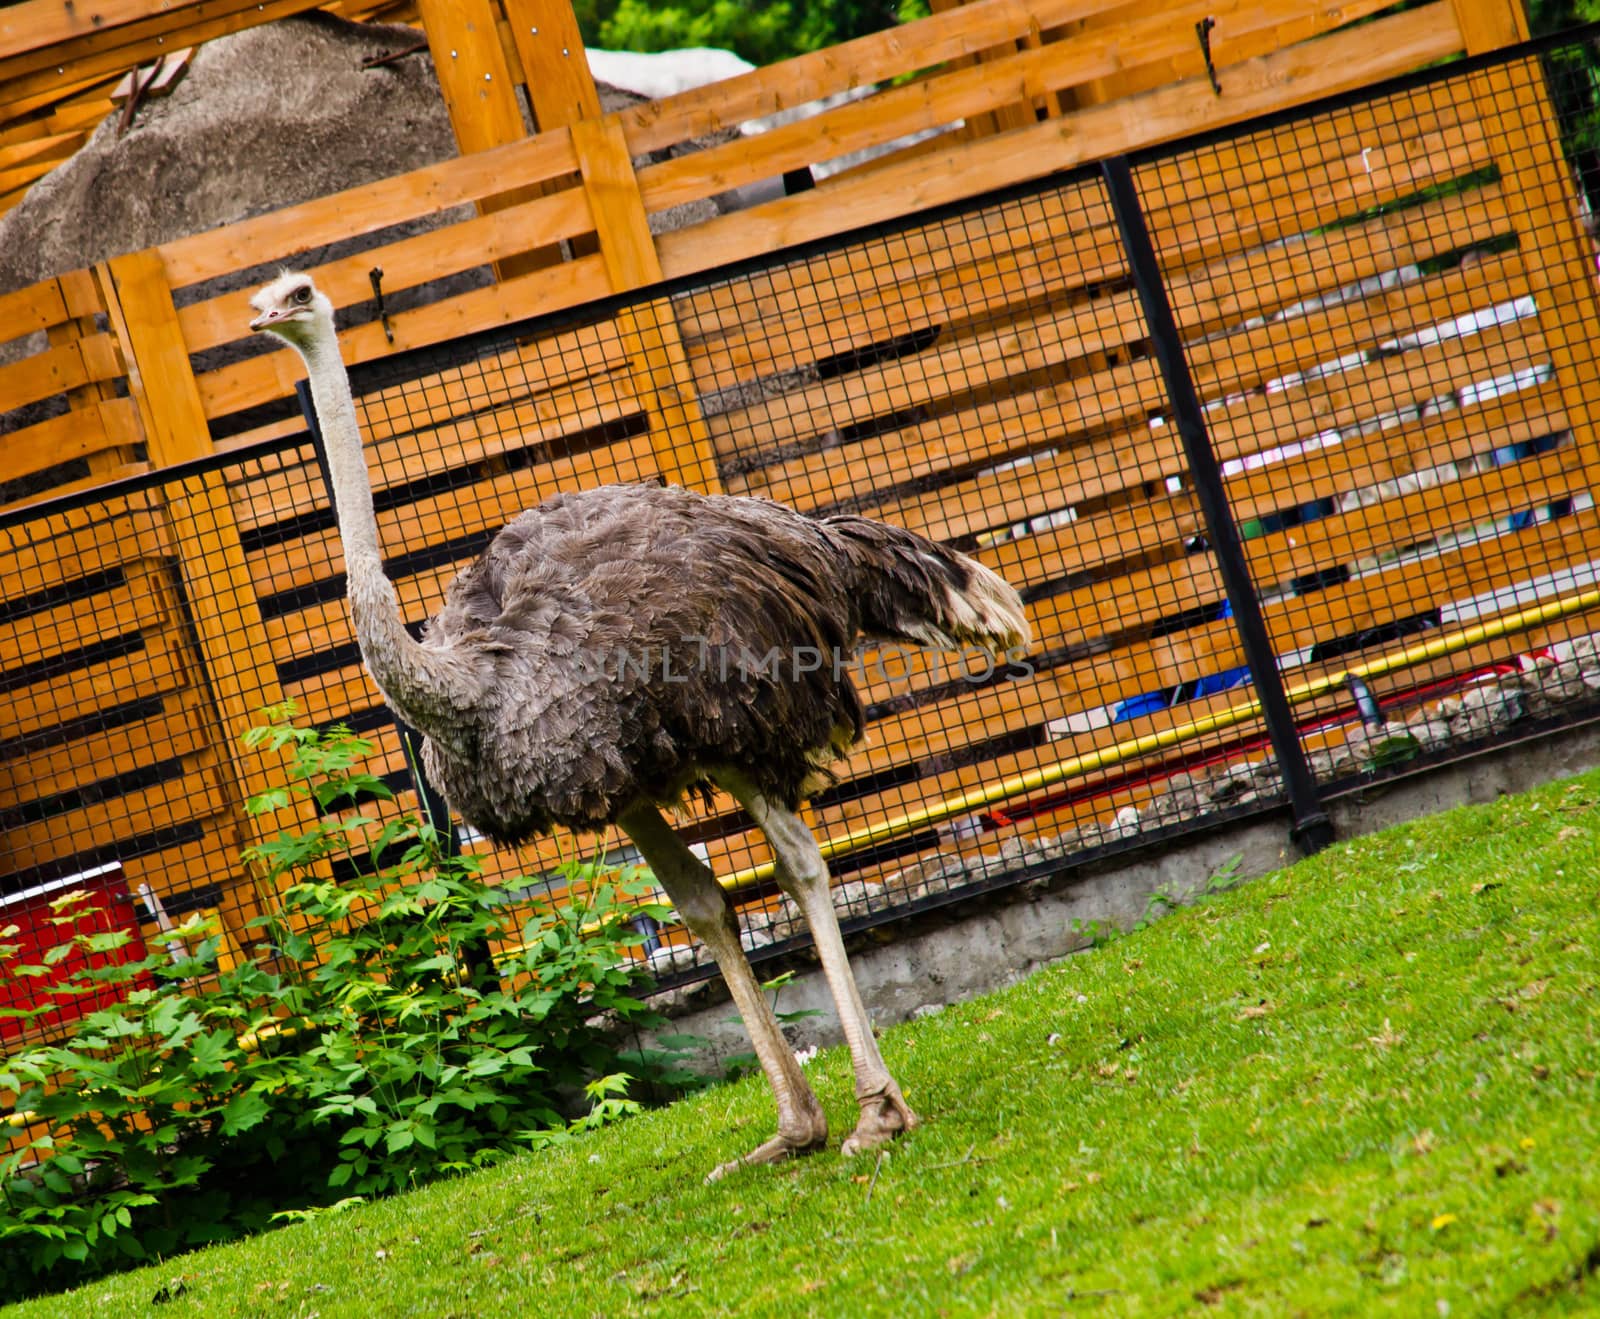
{"type": "Point", "coordinates": [244, 1111]}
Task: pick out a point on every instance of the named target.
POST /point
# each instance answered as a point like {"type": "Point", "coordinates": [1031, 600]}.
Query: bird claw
{"type": "Point", "coordinates": [884, 1115]}
{"type": "Point", "coordinates": [773, 1151]}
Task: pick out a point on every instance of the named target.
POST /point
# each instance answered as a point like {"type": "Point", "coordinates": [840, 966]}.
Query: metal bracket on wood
{"type": "Point", "coordinates": [376, 276]}
{"type": "Point", "coordinates": [1312, 830]}
{"type": "Point", "coordinates": [1202, 29]}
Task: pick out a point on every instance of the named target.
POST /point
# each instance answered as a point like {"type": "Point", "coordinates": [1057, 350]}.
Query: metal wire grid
{"type": "Point", "coordinates": [124, 634]}
{"type": "Point", "coordinates": [983, 375]}
{"type": "Point", "coordinates": [1388, 304]}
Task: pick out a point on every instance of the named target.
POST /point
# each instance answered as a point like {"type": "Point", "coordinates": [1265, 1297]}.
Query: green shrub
{"type": "Point", "coordinates": [376, 1048]}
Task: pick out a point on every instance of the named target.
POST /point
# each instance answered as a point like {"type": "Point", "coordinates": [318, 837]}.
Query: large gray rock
{"type": "Point", "coordinates": [265, 118]}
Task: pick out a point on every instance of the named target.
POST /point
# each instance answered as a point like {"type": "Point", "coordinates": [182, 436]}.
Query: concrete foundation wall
{"type": "Point", "coordinates": [928, 961]}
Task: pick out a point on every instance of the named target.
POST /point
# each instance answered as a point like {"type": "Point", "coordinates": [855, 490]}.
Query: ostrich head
{"type": "Point", "coordinates": [291, 308]}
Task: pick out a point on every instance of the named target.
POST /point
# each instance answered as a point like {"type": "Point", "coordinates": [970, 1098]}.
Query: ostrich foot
{"type": "Point", "coordinates": [780, 1147]}
{"type": "Point", "coordinates": [884, 1115]}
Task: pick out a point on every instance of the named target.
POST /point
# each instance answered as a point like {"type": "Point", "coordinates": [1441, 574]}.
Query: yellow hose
{"type": "Point", "coordinates": [1120, 752]}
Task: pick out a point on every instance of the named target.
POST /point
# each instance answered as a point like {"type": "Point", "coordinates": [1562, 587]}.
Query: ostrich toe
{"type": "Point", "coordinates": [777, 1149]}
{"type": "Point", "coordinates": [884, 1115]}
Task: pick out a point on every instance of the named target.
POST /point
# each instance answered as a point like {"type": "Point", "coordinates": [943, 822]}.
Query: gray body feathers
{"type": "Point", "coordinates": [641, 636]}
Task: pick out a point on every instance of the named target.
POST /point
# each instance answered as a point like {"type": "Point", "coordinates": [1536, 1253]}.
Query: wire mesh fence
{"type": "Point", "coordinates": [1383, 305]}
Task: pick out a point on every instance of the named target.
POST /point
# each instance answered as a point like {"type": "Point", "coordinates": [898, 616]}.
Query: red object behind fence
{"type": "Point", "coordinates": [109, 907]}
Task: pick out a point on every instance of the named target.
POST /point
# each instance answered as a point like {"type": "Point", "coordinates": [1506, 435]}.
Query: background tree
{"type": "Point", "coordinates": [762, 31]}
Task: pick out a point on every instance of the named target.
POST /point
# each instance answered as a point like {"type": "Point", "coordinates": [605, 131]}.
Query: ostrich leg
{"type": "Point", "coordinates": [694, 891]}
{"type": "Point", "coordinates": [803, 874]}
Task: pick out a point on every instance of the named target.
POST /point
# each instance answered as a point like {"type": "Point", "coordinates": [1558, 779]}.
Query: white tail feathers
{"type": "Point", "coordinates": [987, 612]}
{"type": "Point", "coordinates": [914, 589]}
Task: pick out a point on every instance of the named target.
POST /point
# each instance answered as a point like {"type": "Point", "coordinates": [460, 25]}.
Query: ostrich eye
{"type": "Point", "coordinates": [302, 294]}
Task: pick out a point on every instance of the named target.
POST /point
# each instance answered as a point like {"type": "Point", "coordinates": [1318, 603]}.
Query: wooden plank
{"type": "Point", "coordinates": [1115, 535]}
{"type": "Point", "coordinates": [475, 70]}
{"type": "Point", "coordinates": [103, 425]}
{"type": "Point", "coordinates": [156, 670]}
{"type": "Point", "coordinates": [1034, 343]}
{"type": "Point", "coordinates": [120, 611]}
{"type": "Point", "coordinates": [58, 370]}
{"type": "Point", "coordinates": [298, 490]}
{"type": "Point", "coordinates": [1345, 538]}
{"type": "Point", "coordinates": [473, 75]}
{"type": "Point", "coordinates": [1411, 588]}
{"type": "Point", "coordinates": [1335, 63]}
{"type": "Point", "coordinates": [410, 261]}
{"type": "Point", "coordinates": [331, 697]}
{"type": "Point", "coordinates": [316, 557]}
{"type": "Point", "coordinates": [1193, 225]}
{"type": "Point", "coordinates": [66, 767]}
{"type": "Point", "coordinates": [998, 498]}
{"type": "Point", "coordinates": [1260, 429]}
{"type": "Point", "coordinates": [18, 178]}
{"type": "Point", "coordinates": [95, 479]}
{"type": "Point", "coordinates": [104, 823]}
{"type": "Point", "coordinates": [555, 67]}
{"type": "Point", "coordinates": [881, 56]}
{"type": "Point", "coordinates": [452, 432]}
{"type": "Point", "coordinates": [1255, 356]}
{"type": "Point", "coordinates": [38, 25]}
{"type": "Point", "coordinates": [47, 147]}
{"type": "Point", "coordinates": [905, 108]}
{"type": "Point", "coordinates": [59, 104]}
{"type": "Point", "coordinates": [1390, 455]}
{"type": "Point", "coordinates": [76, 544]}
{"type": "Point", "coordinates": [58, 70]}
{"type": "Point", "coordinates": [795, 289]}
{"type": "Point", "coordinates": [32, 308]}
{"type": "Point", "coordinates": [1233, 291]}
{"type": "Point", "coordinates": [273, 375]}
{"type": "Point", "coordinates": [1559, 250]}
{"type": "Point", "coordinates": [1051, 416]}
{"type": "Point", "coordinates": [816, 322]}
{"type": "Point", "coordinates": [369, 208]}
{"type": "Point", "coordinates": [1489, 24]}
{"type": "Point", "coordinates": [955, 283]}
{"type": "Point", "coordinates": [1390, 134]}
{"type": "Point", "coordinates": [212, 859]}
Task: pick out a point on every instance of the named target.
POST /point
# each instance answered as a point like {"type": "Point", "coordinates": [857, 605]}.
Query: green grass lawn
{"type": "Point", "coordinates": [1365, 1084]}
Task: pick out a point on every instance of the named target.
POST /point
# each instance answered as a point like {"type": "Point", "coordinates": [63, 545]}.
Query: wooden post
{"type": "Point", "coordinates": [683, 448]}
{"type": "Point", "coordinates": [1490, 24]}
{"type": "Point", "coordinates": [84, 297]}
{"type": "Point", "coordinates": [555, 67]}
{"type": "Point", "coordinates": [476, 80]}
{"type": "Point", "coordinates": [240, 675]}
{"type": "Point", "coordinates": [480, 94]}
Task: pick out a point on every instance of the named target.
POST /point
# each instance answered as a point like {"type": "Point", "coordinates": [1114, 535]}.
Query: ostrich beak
{"type": "Point", "coordinates": [266, 319]}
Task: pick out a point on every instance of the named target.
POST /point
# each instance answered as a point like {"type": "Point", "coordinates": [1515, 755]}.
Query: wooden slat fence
{"type": "Point", "coordinates": [984, 377]}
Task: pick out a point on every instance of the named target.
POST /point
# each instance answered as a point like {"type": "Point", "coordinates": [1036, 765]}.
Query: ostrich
{"type": "Point", "coordinates": [523, 731]}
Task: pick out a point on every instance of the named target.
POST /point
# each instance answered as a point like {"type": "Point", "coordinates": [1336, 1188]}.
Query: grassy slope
{"type": "Point", "coordinates": [1364, 1084]}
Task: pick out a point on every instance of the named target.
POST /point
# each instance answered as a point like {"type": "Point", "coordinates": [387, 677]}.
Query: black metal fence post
{"type": "Point", "coordinates": [1312, 830]}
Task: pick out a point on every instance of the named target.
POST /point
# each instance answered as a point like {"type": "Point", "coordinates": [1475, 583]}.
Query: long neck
{"type": "Point", "coordinates": [430, 687]}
